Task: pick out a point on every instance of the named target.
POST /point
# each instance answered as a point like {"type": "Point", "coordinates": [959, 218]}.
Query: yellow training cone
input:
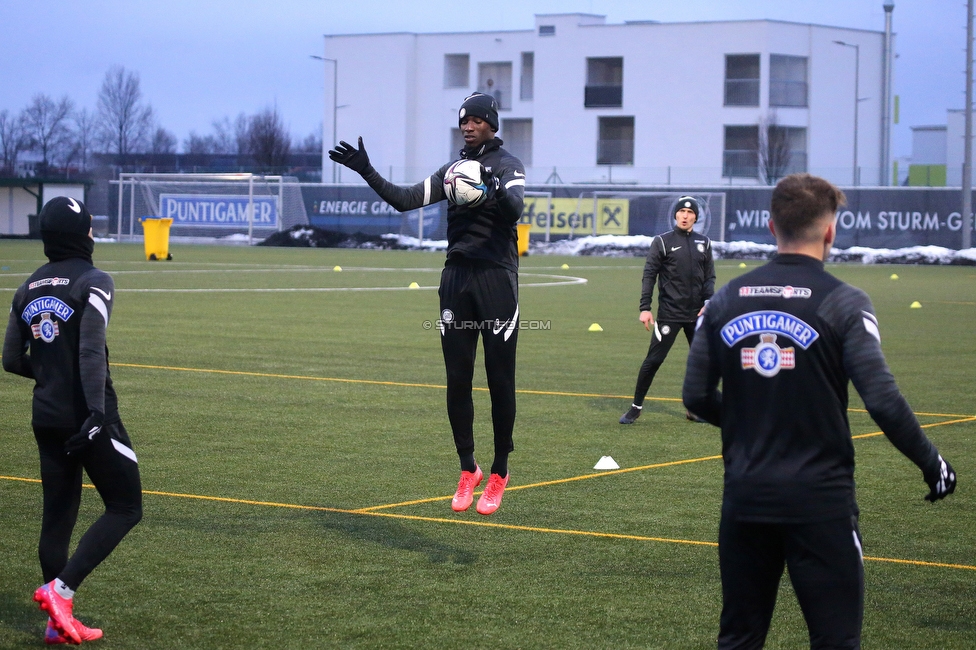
{"type": "Point", "coordinates": [595, 327]}
{"type": "Point", "coordinates": [916, 305]}
{"type": "Point", "coordinates": [894, 276]}
{"type": "Point", "coordinates": [564, 266]}
{"type": "Point", "coordinates": [742, 265]}
{"type": "Point", "coordinates": [414, 285]}
{"type": "Point", "coordinates": [336, 268]}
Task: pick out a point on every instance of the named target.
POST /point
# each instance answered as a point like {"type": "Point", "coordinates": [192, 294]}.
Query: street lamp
{"type": "Point", "coordinates": [857, 98]}
{"type": "Point", "coordinates": [335, 111]}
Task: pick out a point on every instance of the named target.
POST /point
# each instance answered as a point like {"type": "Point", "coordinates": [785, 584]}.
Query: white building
{"type": "Point", "coordinates": [639, 102]}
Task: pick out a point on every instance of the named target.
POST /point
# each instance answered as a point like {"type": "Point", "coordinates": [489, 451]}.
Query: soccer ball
{"type": "Point", "coordinates": [463, 184]}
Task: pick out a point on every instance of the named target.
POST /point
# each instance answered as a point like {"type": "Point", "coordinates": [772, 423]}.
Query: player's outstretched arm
{"type": "Point", "coordinates": [700, 392]}
{"type": "Point", "coordinates": [403, 199]}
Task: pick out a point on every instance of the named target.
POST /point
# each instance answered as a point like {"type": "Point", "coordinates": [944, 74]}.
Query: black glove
{"type": "Point", "coordinates": [348, 155]}
{"type": "Point", "coordinates": [91, 428]}
{"type": "Point", "coordinates": [942, 482]}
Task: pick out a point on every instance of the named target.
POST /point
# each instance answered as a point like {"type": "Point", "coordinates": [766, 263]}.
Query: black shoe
{"type": "Point", "coordinates": [630, 416]}
{"type": "Point", "coordinates": [694, 418]}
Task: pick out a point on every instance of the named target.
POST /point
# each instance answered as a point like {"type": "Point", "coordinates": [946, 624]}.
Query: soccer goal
{"type": "Point", "coordinates": [210, 205]}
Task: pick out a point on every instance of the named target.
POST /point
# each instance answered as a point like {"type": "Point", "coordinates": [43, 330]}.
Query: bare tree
{"type": "Point", "coordinates": [85, 134]}
{"type": "Point", "coordinates": [199, 144]}
{"type": "Point", "coordinates": [47, 127]}
{"type": "Point", "coordinates": [774, 150]}
{"type": "Point", "coordinates": [13, 140]}
{"type": "Point", "coordinates": [126, 121]}
{"type": "Point", "coordinates": [270, 142]}
{"type": "Point", "coordinates": [311, 144]}
{"type": "Point", "coordinates": [163, 141]}
{"type": "Point", "coordinates": [231, 137]}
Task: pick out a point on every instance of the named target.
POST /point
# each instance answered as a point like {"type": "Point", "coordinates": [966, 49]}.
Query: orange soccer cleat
{"type": "Point", "coordinates": [491, 498]}
{"type": "Point", "coordinates": [465, 489]}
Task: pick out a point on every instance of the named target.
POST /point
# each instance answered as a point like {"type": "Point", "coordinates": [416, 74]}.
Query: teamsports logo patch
{"type": "Point", "coordinates": [768, 358]}
{"type": "Point", "coordinates": [49, 282]}
{"type": "Point", "coordinates": [786, 292]}
{"type": "Point", "coordinates": [46, 329]}
{"type": "Point", "coordinates": [46, 304]}
{"type": "Point", "coordinates": [769, 322]}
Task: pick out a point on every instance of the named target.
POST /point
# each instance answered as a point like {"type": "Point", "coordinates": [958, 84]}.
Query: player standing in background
{"type": "Point", "coordinates": [681, 263]}
{"type": "Point", "coordinates": [478, 290]}
{"type": "Point", "coordinates": [784, 340]}
{"type": "Point", "coordinates": [56, 336]}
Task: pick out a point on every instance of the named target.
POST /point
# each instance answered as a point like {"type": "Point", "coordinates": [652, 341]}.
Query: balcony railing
{"type": "Point", "coordinates": [615, 152]}
{"type": "Point", "coordinates": [742, 92]}
{"type": "Point", "coordinates": [603, 97]}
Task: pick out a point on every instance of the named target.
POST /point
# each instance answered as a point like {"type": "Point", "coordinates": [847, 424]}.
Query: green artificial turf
{"type": "Point", "coordinates": [306, 407]}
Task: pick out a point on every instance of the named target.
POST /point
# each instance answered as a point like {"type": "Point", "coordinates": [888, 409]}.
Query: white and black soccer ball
{"type": "Point", "coordinates": [463, 184]}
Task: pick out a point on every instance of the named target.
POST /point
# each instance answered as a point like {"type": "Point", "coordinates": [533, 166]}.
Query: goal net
{"type": "Point", "coordinates": [210, 205]}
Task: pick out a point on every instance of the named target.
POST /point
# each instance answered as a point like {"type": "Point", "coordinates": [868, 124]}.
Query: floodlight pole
{"type": "Point", "coordinates": [967, 156]}
{"type": "Point", "coordinates": [857, 98]}
{"type": "Point", "coordinates": [335, 111]}
{"type": "Point", "coordinates": [886, 101]}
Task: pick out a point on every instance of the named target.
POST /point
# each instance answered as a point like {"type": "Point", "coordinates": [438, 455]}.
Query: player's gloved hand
{"type": "Point", "coordinates": [348, 155]}
{"type": "Point", "coordinates": [942, 483]}
{"type": "Point", "coordinates": [91, 428]}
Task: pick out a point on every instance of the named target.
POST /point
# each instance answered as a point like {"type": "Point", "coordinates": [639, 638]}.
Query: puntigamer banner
{"type": "Point", "coordinates": [218, 210]}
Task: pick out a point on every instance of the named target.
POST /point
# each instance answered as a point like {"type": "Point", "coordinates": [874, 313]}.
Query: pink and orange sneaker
{"type": "Point", "coordinates": [59, 609]}
{"type": "Point", "coordinates": [491, 498]}
{"type": "Point", "coordinates": [465, 489]}
{"type": "Point", "coordinates": [53, 637]}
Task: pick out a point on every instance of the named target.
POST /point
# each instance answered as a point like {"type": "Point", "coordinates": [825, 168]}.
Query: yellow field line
{"type": "Point", "coordinates": [545, 483]}
{"type": "Point", "coordinates": [401, 384]}
{"type": "Point", "coordinates": [489, 524]}
{"type": "Point", "coordinates": [924, 426]}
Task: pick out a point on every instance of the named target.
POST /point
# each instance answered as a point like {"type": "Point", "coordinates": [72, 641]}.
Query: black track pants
{"type": "Point", "coordinates": [479, 301]}
{"type": "Point", "coordinates": [826, 570]}
{"type": "Point", "coordinates": [662, 338]}
{"type": "Point", "coordinates": [111, 465]}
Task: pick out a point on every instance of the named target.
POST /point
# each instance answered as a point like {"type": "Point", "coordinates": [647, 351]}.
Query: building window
{"type": "Point", "coordinates": [457, 143]}
{"type": "Point", "coordinates": [604, 83]}
{"type": "Point", "coordinates": [742, 80]}
{"type": "Point", "coordinates": [456, 70]}
{"type": "Point", "coordinates": [741, 156]}
{"type": "Point", "coordinates": [787, 80]}
{"type": "Point", "coordinates": [495, 79]}
{"type": "Point", "coordinates": [783, 152]}
{"type": "Point", "coordinates": [616, 143]}
{"type": "Point", "coordinates": [517, 135]}
{"type": "Point", "coordinates": [528, 76]}
{"type": "Point", "coordinates": [547, 30]}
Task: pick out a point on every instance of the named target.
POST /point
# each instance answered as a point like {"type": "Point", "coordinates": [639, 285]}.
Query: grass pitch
{"type": "Point", "coordinates": [293, 440]}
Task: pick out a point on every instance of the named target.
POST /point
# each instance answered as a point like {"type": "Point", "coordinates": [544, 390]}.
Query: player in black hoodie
{"type": "Point", "coordinates": [478, 290]}
{"type": "Point", "coordinates": [56, 336]}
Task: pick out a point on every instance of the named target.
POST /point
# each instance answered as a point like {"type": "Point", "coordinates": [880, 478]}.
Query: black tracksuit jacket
{"type": "Point", "coordinates": [785, 340]}
{"type": "Point", "coordinates": [681, 263]}
{"type": "Point", "coordinates": [485, 233]}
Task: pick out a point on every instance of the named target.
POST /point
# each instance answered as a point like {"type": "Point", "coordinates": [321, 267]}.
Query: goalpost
{"type": "Point", "coordinates": [210, 205]}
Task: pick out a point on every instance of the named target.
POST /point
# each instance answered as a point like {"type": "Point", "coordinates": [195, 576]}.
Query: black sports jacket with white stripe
{"type": "Point", "coordinates": [56, 336]}
{"type": "Point", "coordinates": [485, 233]}
{"type": "Point", "coordinates": [785, 340]}
{"type": "Point", "coordinates": [681, 263]}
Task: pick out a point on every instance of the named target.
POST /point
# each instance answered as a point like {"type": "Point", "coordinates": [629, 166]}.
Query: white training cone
{"type": "Point", "coordinates": [606, 462]}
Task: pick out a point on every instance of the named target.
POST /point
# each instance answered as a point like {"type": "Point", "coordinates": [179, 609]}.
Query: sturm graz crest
{"type": "Point", "coordinates": [46, 329]}
{"type": "Point", "coordinates": [767, 358]}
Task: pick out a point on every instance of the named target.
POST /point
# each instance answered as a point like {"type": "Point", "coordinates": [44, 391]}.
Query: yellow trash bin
{"type": "Point", "coordinates": [523, 238]}
{"type": "Point", "coordinates": [156, 234]}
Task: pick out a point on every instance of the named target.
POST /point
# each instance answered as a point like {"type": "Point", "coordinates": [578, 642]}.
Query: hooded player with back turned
{"type": "Point", "coordinates": [56, 336]}
{"type": "Point", "coordinates": [479, 286]}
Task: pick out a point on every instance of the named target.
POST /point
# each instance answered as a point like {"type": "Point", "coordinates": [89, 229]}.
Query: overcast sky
{"type": "Point", "coordinates": [200, 61]}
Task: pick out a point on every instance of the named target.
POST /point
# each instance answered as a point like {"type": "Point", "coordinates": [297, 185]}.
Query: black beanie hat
{"type": "Point", "coordinates": [65, 224]}
{"type": "Point", "coordinates": [480, 105]}
{"type": "Point", "coordinates": [689, 202]}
